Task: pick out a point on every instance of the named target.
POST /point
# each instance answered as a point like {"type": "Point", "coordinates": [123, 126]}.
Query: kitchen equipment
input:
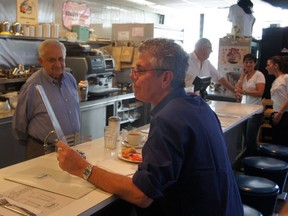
{"type": "Point", "coordinates": [16, 29]}
{"type": "Point", "coordinates": [83, 90]}
{"type": "Point", "coordinates": [5, 28]}
{"type": "Point", "coordinates": [54, 30]}
{"type": "Point", "coordinates": [46, 27]}
{"type": "Point", "coordinates": [4, 104]}
{"type": "Point", "coordinates": [98, 69]}
{"type": "Point", "coordinates": [12, 97]}
{"type": "Point", "coordinates": [32, 30]}
{"type": "Point", "coordinates": [38, 31]}
{"type": "Point", "coordinates": [26, 30]}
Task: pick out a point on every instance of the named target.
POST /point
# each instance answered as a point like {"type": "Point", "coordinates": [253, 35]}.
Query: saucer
{"type": "Point", "coordinates": [126, 144]}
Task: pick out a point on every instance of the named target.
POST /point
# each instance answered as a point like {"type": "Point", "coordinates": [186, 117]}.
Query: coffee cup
{"type": "Point", "coordinates": [134, 138]}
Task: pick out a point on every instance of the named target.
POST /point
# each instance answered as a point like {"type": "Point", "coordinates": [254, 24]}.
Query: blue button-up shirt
{"type": "Point", "coordinates": [31, 118]}
{"type": "Point", "coordinates": [185, 168]}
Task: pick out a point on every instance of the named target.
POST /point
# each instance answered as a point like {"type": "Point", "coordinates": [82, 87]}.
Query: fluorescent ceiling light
{"type": "Point", "coordinates": [160, 7]}
{"type": "Point", "coordinates": [115, 8]}
{"type": "Point", "coordinates": [142, 2]}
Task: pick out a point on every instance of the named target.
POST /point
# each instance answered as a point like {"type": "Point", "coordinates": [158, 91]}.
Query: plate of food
{"type": "Point", "coordinates": [130, 155]}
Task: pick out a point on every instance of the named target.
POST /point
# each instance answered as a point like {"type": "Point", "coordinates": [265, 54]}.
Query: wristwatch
{"type": "Point", "coordinates": [87, 171]}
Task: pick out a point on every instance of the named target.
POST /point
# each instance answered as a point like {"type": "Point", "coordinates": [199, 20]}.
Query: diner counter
{"type": "Point", "coordinates": [230, 115]}
{"type": "Point", "coordinates": [220, 94]}
{"type": "Point", "coordinates": [7, 115]}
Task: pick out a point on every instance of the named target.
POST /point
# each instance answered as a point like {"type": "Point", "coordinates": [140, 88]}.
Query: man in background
{"type": "Point", "coordinates": [199, 65]}
{"type": "Point", "coordinates": [31, 123]}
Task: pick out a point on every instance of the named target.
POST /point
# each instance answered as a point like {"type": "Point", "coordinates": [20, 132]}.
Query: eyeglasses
{"type": "Point", "coordinates": [136, 73]}
{"type": "Point", "coordinates": [209, 48]}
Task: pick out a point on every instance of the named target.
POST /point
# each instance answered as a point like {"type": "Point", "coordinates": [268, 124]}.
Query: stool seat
{"type": "Point", "coordinates": [275, 151]}
{"type": "Point", "coordinates": [258, 192]}
{"type": "Point", "coordinates": [249, 211]}
{"type": "Point", "coordinates": [256, 185]}
{"type": "Point", "coordinates": [271, 168]}
{"type": "Point", "coordinates": [266, 163]}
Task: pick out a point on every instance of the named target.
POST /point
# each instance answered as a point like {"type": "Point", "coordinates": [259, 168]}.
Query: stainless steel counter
{"type": "Point", "coordinates": [220, 95]}
{"type": "Point", "coordinates": [93, 119]}
{"type": "Point", "coordinates": [7, 116]}
{"type": "Point", "coordinates": [106, 100]}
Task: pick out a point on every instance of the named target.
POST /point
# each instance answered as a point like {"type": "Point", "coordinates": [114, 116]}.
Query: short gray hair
{"type": "Point", "coordinates": [201, 43]}
{"type": "Point", "coordinates": [166, 54]}
{"type": "Point", "coordinates": [44, 44]}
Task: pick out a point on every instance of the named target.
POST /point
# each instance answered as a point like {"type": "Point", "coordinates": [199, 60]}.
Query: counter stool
{"type": "Point", "coordinates": [271, 168]}
{"type": "Point", "coordinates": [249, 211]}
{"type": "Point", "coordinates": [273, 150]}
{"type": "Point", "coordinates": [258, 192]}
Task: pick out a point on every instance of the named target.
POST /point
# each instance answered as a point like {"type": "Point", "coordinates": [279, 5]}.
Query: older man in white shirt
{"type": "Point", "coordinates": [199, 65]}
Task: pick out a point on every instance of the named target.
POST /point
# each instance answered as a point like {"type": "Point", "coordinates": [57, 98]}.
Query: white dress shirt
{"type": "Point", "coordinates": [196, 68]}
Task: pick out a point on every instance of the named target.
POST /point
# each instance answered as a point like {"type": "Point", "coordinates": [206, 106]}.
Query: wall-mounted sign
{"type": "Point", "coordinates": [75, 14]}
{"type": "Point", "coordinates": [27, 12]}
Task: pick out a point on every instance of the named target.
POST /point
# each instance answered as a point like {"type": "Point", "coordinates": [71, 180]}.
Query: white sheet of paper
{"type": "Point", "coordinates": [56, 181]}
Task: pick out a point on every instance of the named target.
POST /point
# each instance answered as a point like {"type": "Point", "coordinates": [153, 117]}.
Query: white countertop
{"type": "Point", "coordinates": [230, 115]}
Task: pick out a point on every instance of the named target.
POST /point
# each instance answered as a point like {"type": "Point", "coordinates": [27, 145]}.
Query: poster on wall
{"type": "Point", "coordinates": [27, 12]}
{"type": "Point", "coordinates": [75, 14]}
{"type": "Point", "coordinates": [231, 53]}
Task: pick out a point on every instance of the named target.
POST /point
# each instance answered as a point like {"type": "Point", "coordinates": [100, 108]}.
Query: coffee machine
{"type": "Point", "coordinates": [97, 68]}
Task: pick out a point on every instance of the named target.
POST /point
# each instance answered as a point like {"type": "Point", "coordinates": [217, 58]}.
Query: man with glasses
{"type": "Point", "coordinates": [199, 65]}
{"type": "Point", "coordinates": [185, 168]}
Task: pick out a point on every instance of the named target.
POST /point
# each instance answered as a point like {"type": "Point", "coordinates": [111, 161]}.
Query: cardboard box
{"type": "Point", "coordinates": [82, 32]}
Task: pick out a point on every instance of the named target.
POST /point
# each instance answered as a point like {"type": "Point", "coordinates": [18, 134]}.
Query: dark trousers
{"type": "Point", "coordinates": [250, 132]}
{"type": "Point", "coordinates": [35, 148]}
{"type": "Point", "coordinates": [280, 131]}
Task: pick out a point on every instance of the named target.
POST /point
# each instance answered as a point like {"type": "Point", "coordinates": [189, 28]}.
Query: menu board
{"type": "Point", "coordinates": [231, 53]}
{"type": "Point", "coordinates": [27, 12]}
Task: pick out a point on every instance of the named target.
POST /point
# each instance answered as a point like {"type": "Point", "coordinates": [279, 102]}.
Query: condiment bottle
{"type": "Point", "coordinates": [83, 90]}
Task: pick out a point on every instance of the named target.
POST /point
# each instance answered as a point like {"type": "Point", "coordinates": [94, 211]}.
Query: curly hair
{"type": "Point", "coordinates": [165, 53]}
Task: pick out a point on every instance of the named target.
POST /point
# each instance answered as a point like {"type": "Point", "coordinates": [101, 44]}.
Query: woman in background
{"type": "Point", "coordinates": [278, 66]}
{"type": "Point", "coordinates": [251, 85]}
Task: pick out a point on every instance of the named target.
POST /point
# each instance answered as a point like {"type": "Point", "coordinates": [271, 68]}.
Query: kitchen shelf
{"type": "Point", "coordinates": [130, 112]}
{"type": "Point", "coordinates": [124, 109]}
{"type": "Point", "coordinates": [129, 120]}
{"type": "Point", "coordinates": [14, 80]}
{"type": "Point", "coordinates": [94, 44]}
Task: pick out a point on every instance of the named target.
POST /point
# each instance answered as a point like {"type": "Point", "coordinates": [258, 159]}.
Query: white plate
{"type": "Point", "coordinates": [126, 144]}
{"type": "Point", "coordinates": [125, 159]}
